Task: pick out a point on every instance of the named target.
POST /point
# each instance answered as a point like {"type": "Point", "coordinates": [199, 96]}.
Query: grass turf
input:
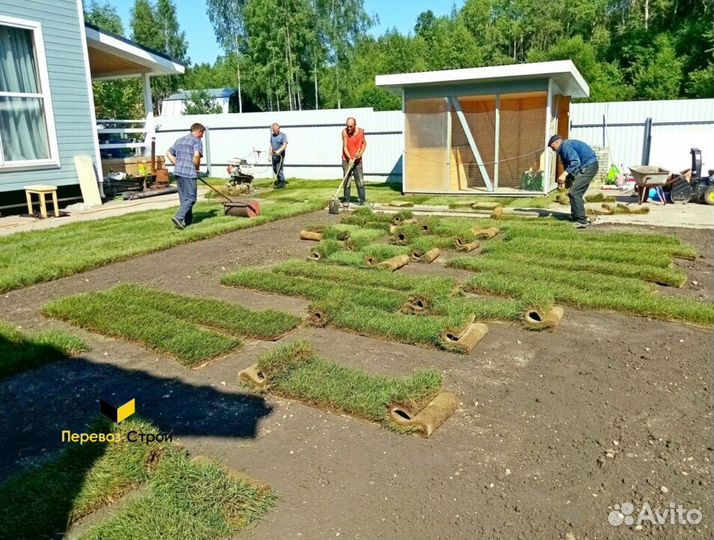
{"type": "Point", "coordinates": [81, 246]}
{"type": "Point", "coordinates": [648, 305]}
{"type": "Point", "coordinates": [432, 287]}
{"type": "Point", "coordinates": [43, 501]}
{"type": "Point", "coordinates": [296, 371]}
{"type": "Point", "coordinates": [190, 329]}
{"type": "Point", "coordinates": [21, 352]}
{"type": "Point", "coordinates": [315, 289]}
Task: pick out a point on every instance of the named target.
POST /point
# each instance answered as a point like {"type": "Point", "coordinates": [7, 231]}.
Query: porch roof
{"type": "Point", "coordinates": [112, 57]}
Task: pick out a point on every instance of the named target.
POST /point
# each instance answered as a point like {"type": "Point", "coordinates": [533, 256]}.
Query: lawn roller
{"type": "Point", "coordinates": [236, 208]}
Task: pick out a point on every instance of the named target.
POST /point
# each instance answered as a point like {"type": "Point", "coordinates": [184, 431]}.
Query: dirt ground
{"type": "Point", "coordinates": [553, 429]}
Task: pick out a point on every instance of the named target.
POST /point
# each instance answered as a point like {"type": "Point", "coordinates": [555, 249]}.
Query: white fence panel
{"type": "Point", "coordinates": [314, 149]}
{"type": "Point", "coordinates": [677, 126]}
{"type": "Point", "coordinates": [314, 140]}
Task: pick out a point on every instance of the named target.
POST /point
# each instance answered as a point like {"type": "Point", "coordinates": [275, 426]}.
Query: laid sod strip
{"type": "Point", "coordinates": [183, 498]}
{"type": "Point", "coordinates": [553, 248]}
{"type": "Point", "coordinates": [114, 239]}
{"type": "Point", "coordinates": [315, 289]}
{"type": "Point", "coordinates": [225, 316]}
{"type": "Point", "coordinates": [369, 321]}
{"type": "Point", "coordinates": [662, 276]}
{"type": "Point", "coordinates": [565, 231]}
{"type": "Point", "coordinates": [42, 501]}
{"type": "Point", "coordinates": [187, 498]}
{"type": "Point", "coordinates": [430, 286]}
{"type": "Point", "coordinates": [426, 242]}
{"type": "Point", "coordinates": [607, 242]}
{"type": "Point", "coordinates": [375, 253]}
{"type": "Point", "coordinates": [655, 306]}
{"type": "Point", "coordinates": [21, 352]}
{"type": "Point", "coordinates": [295, 371]}
{"type": "Point", "coordinates": [584, 280]}
{"type": "Point", "coordinates": [111, 314]}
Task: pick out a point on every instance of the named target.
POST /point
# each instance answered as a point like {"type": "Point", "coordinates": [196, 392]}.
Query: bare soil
{"type": "Point", "coordinates": [553, 429]}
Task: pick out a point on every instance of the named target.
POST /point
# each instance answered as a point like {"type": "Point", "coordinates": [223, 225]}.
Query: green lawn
{"type": "Point", "coordinates": [182, 498]}
{"type": "Point", "coordinates": [20, 351]}
{"type": "Point", "coordinates": [190, 329]}
{"type": "Point", "coordinates": [296, 371]}
{"type": "Point", "coordinates": [33, 257]}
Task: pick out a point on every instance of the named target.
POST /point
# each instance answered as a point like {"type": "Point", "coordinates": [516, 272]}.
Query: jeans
{"type": "Point", "coordinates": [188, 193]}
{"type": "Point", "coordinates": [278, 168]}
{"type": "Point", "coordinates": [359, 180]}
{"type": "Point", "coordinates": [580, 185]}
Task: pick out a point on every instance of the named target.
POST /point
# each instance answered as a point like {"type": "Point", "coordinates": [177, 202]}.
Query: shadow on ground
{"type": "Point", "coordinates": [39, 404]}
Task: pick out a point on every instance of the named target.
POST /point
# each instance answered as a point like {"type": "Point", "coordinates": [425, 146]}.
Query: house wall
{"type": "Point", "coordinates": [62, 30]}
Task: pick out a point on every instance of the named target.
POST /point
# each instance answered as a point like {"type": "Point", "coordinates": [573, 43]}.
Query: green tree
{"type": "Point", "coordinates": [119, 99]}
{"type": "Point", "coordinates": [157, 27]}
{"type": "Point", "coordinates": [105, 16]}
{"type": "Point", "coordinates": [201, 102]}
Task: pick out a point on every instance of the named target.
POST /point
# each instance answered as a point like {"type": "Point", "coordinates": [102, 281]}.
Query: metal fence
{"type": "Point", "coordinates": [670, 128]}
{"type": "Point", "coordinates": [315, 145]}
{"type": "Point", "coordinates": [314, 141]}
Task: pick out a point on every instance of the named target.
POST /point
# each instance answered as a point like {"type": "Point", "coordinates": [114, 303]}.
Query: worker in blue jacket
{"type": "Point", "coordinates": [580, 164]}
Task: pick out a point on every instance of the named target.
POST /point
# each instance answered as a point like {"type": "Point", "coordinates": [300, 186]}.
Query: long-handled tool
{"type": "Point", "coordinates": [233, 207]}
{"type": "Point", "coordinates": [276, 173]}
{"type": "Point", "coordinates": [334, 206]}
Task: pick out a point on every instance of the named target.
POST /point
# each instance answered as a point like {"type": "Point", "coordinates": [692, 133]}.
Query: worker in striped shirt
{"type": "Point", "coordinates": [185, 155]}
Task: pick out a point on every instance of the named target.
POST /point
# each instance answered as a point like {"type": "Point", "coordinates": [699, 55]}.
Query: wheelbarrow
{"type": "Point", "coordinates": [235, 207]}
{"type": "Point", "coordinates": [647, 176]}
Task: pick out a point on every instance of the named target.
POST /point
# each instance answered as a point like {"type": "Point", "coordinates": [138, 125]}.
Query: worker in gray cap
{"type": "Point", "coordinates": [580, 164]}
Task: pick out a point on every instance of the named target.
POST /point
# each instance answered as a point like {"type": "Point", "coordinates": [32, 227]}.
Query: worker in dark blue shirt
{"type": "Point", "coordinates": [580, 164]}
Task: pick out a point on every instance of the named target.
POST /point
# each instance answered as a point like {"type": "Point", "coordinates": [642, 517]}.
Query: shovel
{"type": "Point", "coordinates": [334, 206]}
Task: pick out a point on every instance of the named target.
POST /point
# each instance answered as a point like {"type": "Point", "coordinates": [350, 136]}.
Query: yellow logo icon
{"type": "Point", "coordinates": [117, 409]}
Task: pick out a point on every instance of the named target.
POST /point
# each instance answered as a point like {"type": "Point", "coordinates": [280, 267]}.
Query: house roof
{"type": "Point", "coordinates": [212, 92]}
{"type": "Point", "coordinates": [563, 72]}
{"type": "Point", "coordinates": [113, 56]}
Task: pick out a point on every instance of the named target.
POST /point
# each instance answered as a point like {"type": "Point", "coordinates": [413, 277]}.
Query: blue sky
{"type": "Point", "coordinates": [202, 46]}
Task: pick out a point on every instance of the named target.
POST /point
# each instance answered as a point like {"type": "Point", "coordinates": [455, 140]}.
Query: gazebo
{"type": "Point", "coordinates": [484, 130]}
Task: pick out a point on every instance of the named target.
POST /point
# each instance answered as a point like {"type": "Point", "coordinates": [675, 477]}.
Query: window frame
{"type": "Point", "coordinates": [45, 95]}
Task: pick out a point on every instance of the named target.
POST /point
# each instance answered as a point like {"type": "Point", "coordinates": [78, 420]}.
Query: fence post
{"type": "Point", "coordinates": [208, 150]}
{"type": "Point", "coordinates": [647, 142]}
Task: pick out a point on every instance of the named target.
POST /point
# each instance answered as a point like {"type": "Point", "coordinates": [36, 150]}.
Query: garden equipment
{"type": "Point", "coordinates": [236, 208]}
{"type": "Point", "coordinates": [334, 206]}
{"type": "Point", "coordinates": [647, 176]}
{"type": "Point", "coordinates": [237, 176]}
{"type": "Point", "coordinates": [702, 186]}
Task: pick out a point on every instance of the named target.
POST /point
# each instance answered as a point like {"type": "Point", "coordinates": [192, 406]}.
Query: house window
{"type": "Point", "coordinates": [27, 137]}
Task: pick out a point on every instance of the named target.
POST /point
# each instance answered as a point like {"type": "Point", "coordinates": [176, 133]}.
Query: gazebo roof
{"type": "Point", "coordinates": [563, 72]}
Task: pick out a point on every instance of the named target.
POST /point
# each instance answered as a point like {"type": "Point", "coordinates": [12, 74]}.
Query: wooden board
{"type": "Point", "coordinates": [87, 176]}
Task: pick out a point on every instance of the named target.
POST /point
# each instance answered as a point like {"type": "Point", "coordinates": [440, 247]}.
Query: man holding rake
{"type": "Point", "coordinates": [353, 146]}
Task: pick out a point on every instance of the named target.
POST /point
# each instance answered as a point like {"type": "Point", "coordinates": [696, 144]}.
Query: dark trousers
{"type": "Point", "coordinates": [356, 173]}
{"type": "Point", "coordinates": [188, 193]}
{"type": "Point", "coordinates": [278, 168]}
{"type": "Point", "coordinates": [581, 182]}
